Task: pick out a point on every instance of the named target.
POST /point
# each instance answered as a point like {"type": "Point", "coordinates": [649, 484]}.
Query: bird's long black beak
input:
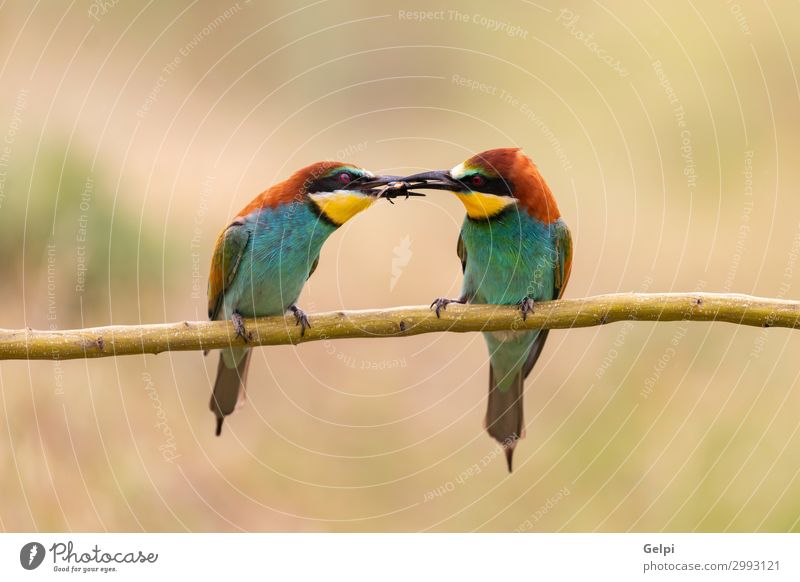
{"type": "Point", "coordinates": [435, 180]}
{"type": "Point", "coordinates": [372, 183]}
{"type": "Point", "coordinates": [383, 187]}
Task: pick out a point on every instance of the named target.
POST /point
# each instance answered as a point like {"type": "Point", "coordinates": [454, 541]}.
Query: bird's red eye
{"type": "Point", "coordinates": [345, 177]}
{"type": "Point", "coordinates": [477, 180]}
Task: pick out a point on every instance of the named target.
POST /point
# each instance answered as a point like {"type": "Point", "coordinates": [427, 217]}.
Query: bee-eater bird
{"type": "Point", "coordinates": [264, 256]}
{"type": "Point", "coordinates": [514, 249]}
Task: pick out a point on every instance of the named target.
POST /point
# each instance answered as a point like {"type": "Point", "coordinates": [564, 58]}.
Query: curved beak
{"type": "Point", "coordinates": [365, 183]}
{"type": "Point", "coordinates": [383, 187]}
{"type": "Point", "coordinates": [435, 180]}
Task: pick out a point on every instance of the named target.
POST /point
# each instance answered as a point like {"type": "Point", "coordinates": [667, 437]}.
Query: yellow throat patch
{"type": "Point", "coordinates": [341, 205]}
{"type": "Point", "coordinates": [482, 206]}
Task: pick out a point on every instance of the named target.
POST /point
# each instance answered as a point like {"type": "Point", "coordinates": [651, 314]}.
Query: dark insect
{"type": "Point", "coordinates": [396, 189]}
{"type": "Point", "coordinates": [381, 189]}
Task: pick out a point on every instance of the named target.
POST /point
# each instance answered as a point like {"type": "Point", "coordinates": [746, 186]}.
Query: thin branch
{"type": "Point", "coordinates": [119, 340]}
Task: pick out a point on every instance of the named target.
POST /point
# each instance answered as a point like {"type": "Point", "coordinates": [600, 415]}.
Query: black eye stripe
{"type": "Point", "coordinates": [491, 185]}
{"type": "Point", "coordinates": [333, 181]}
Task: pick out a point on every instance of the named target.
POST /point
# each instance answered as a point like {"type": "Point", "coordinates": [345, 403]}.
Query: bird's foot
{"type": "Point", "coordinates": [526, 306]}
{"type": "Point", "coordinates": [238, 325]}
{"type": "Point", "coordinates": [300, 319]}
{"type": "Point", "coordinates": [441, 303]}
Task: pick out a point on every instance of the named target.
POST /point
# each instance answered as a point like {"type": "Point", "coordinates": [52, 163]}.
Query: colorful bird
{"type": "Point", "coordinates": [264, 256]}
{"type": "Point", "coordinates": [515, 250]}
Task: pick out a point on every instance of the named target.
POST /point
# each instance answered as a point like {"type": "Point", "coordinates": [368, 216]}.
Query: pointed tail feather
{"type": "Point", "coordinates": [504, 413]}
{"type": "Point", "coordinates": [227, 388]}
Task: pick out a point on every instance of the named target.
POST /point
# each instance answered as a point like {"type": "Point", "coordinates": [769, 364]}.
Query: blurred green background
{"type": "Point", "coordinates": [131, 132]}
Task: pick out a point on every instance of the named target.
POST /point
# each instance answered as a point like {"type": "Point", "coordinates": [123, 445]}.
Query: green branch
{"type": "Point", "coordinates": [120, 340]}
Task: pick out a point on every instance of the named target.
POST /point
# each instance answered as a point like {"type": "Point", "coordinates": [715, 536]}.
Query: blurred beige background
{"type": "Point", "coordinates": [131, 132]}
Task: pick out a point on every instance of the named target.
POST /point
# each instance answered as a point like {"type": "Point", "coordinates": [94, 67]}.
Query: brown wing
{"type": "Point", "coordinates": [228, 253]}
{"type": "Point", "coordinates": [461, 251]}
{"type": "Point", "coordinates": [563, 258]}
{"type": "Point", "coordinates": [563, 269]}
{"type": "Point", "coordinates": [313, 267]}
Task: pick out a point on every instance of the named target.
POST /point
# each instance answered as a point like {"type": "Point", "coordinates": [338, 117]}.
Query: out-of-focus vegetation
{"type": "Point", "coordinates": [129, 134]}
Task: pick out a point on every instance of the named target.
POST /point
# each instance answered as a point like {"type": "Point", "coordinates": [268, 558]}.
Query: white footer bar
{"type": "Point", "coordinates": [354, 557]}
